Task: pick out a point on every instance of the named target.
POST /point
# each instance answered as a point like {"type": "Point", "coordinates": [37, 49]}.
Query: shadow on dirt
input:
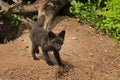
{"type": "Point", "coordinates": [61, 71]}
{"type": "Point", "coordinates": [10, 31]}
{"type": "Point", "coordinates": [64, 71]}
{"type": "Point", "coordinates": [7, 32]}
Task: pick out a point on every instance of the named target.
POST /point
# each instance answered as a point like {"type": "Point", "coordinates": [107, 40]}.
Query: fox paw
{"type": "Point", "coordinates": [50, 63]}
{"type": "Point", "coordinates": [35, 58]}
{"type": "Point", "coordinates": [61, 65]}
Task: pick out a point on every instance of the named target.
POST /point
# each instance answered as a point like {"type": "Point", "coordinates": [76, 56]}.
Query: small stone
{"type": "Point", "coordinates": [119, 65]}
{"type": "Point", "coordinates": [75, 38]}
{"type": "Point", "coordinates": [21, 40]}
{"type": "Point", "coordinates": [92, 67]}
{"type": "Point", "coordinates": [62, 27]}
{"type": "Point", "coordinates": [118, 49]}
{"type": "Point", "coordinates": [101, 38]}
{"type": "Point", "coordinates": [106, 50]}
{"type": "Point", "coordinates": [90, 27]}
{"type": "Point", "coordinates": [112, 62]}
{"type": "Point", "coordinates": [32, 68]}
{"type": "Point", "coordinates": [90, 54]}
{"type": "Point", "coordinates": [10, 72]}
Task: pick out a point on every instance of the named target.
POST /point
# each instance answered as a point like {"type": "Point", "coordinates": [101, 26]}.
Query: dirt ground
{"type": "Point", "coordinates": [86, 54]}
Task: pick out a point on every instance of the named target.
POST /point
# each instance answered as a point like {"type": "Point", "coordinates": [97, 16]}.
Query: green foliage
{"type": "Point", "coordinates": [34, 17]}
{"type": "Point", "coordinates": [110, 19]}
{"type": "Point", "coordinates": [83, 11]}
{"type": "Point", "coordinates": [26, 2]}
{"type": "Point", "coordinates": [106, 18]}
{"type": "Point", "coordinates": [15, 19]}
{"type": "Point", "coordinates": [12, 18]}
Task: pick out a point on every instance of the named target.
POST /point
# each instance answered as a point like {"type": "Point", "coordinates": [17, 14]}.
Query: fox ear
{"type": "Point", "coordinates": [62, 34]}
{"type": "Point", "coordinates": [51, 35]}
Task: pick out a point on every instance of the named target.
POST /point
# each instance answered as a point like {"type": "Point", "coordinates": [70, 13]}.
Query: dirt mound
{"type": "Point", "coordinates": [87, 56]}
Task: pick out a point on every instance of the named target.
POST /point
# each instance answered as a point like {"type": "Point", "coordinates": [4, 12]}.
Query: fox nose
{"type": "Point", "coordinates": [59, 48]}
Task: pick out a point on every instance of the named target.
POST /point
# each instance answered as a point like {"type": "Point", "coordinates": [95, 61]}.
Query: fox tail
{"type": "Point", "coordinates": [40, 21]}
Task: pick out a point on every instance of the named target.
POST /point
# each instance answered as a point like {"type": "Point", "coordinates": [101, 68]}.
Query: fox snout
{"type": "Point", "coordinates": [57, 47]}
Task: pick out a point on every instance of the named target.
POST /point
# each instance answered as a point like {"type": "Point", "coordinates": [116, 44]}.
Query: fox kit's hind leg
{"type": "Point", "coordinates": [34, 50]}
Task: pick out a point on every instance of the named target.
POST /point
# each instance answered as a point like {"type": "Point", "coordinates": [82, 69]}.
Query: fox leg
{"type": "Point", "coordinates": [34, 50]}
{"type": "Point", "coordinates": [47, 58]}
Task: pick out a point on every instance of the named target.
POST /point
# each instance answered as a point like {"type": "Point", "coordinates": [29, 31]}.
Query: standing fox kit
{"type": "Point", "coordinates": [47, 40]}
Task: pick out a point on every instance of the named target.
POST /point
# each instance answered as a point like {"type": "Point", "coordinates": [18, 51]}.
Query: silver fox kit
{"type": "Point", "coordinates": [47, 40]}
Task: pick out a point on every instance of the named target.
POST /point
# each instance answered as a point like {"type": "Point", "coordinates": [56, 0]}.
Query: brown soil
{"type": "Point", "coordinates": [86, 54]}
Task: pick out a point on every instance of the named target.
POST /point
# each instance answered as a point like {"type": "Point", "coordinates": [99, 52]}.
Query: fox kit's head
{"type": "Point", "coordinates": [56, 40]}
{"type": "Point", "coordinates": [51, 8]}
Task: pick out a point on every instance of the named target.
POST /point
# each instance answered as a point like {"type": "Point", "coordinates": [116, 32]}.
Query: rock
{"type": "Point", "coordinates": [91, 54]}
{"type": "Point", "coordinates": [75, 38]}
{"type": "Point", "coordinates": [106, 50]}
{"type": "Point", "coordinates": [21, 40]}
{"type": "Point", "coordinates": [112, 63]}
{"type": "Point", "coordinates": [92, 67]}
{"type": "Point", "coordinates": [32, 68]}
{"type": "Point", "coordinates": [62, 27]}
{"type": "Point", "coordinates": [101, 38]}
{"type": "Point", "coordinates": [118, 65]}
{"type": "Point", "coordinates": [10, 73]}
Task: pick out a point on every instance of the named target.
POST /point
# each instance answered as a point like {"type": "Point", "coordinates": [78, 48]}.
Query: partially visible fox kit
{"type": "Point", "coordinates": [51, 8]}
{"type": "Point", "coordinates": [47, 40]}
